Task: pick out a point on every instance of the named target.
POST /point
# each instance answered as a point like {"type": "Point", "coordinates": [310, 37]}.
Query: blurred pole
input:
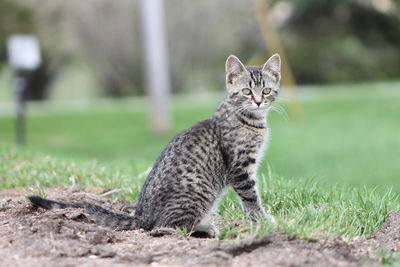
{"type": "Point", "coordinates": [20, 96]}
{"type": "Point", "coordinates": [24, 57]}
{"type": "Point", "coordinates": [157, 70]}
{"type": "Point", "coordinates": [273, 45]}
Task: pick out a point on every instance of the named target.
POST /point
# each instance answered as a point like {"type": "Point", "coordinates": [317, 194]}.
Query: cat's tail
{"type": "Point", "coordinates": [100, 215]}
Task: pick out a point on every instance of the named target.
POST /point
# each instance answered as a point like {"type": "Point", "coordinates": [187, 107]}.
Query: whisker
{"type": "Point", "coordinates": [282, 108]}
{"type": "Point", "coordinates": [281, 111]}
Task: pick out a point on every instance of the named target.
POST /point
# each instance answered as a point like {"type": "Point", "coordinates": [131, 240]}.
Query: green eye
{"type": "Point", "coordinates": [246, 91]}
{"type": "Point", "coordinates": [266, 91]}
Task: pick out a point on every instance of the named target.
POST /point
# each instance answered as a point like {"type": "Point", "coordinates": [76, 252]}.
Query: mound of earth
{"type": "Point", "coordinates": [37, 237]}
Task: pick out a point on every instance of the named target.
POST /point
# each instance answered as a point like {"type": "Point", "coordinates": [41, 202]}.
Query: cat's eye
{"type": "Point", "coordinates": [246, 91]}
{"type": "Point", "coordinates": [266, 91]}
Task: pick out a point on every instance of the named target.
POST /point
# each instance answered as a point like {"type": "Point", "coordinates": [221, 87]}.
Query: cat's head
{"type": "Point", "coordinates": [253, 88]}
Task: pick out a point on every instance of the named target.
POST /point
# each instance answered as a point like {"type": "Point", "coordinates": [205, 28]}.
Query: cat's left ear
{"type": "Point", "coordinates": [273, 66]}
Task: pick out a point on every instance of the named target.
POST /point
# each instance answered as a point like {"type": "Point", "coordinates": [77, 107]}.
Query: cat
{"type": "Point", "coordinates": [199, 163]}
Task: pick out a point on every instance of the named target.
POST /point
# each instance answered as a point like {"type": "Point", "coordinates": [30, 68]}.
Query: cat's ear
{"type": "Point", "coordinates": [233, 68]}
{"type": "Point", "coordinates": [273, 66]}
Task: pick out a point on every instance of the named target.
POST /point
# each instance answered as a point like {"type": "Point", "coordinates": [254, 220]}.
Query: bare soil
{"type": "Point", "coordinates": [37, 237]}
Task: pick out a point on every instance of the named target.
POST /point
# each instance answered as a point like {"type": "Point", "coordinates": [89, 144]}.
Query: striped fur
{"type": "Point", "coordinates": [198, 163]}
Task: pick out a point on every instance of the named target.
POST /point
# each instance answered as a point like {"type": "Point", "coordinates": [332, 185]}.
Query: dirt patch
{"type": "Point", "coordinates": [37, 237]}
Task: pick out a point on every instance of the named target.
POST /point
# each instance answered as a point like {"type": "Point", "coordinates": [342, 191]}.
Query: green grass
{"type": "Point", "coordinates": [335, 171]}
{"type": "Point", "coordinates": [300, 206]}
{"type": "Point", "coordinates": [106, 130]}
{"type": "Point", "coordinates": [387, 256]}
{"type": "Point", "coordinates": [23, 168]}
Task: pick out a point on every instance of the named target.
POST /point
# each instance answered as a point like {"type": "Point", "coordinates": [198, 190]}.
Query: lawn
{"type": "Point", "coordinates": [333, 171]}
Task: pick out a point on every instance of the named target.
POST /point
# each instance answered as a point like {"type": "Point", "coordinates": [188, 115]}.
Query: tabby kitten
{"type": "Point", "coordinates": [195, 167]}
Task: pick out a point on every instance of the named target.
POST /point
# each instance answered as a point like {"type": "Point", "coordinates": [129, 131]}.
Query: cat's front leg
{"type": "Point", "coordinates": [245, 186]}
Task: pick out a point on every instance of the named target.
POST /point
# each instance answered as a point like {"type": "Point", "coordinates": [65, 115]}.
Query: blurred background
{"type": "Point", "coordinates": [95, 93]}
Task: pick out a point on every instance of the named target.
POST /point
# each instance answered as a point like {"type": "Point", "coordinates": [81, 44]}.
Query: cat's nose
{"type": "Point", "coordinates": [258, 103]}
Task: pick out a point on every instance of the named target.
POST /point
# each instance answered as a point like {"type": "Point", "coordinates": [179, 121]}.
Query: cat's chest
{"type": "Point", "coordinates": [244, 143]}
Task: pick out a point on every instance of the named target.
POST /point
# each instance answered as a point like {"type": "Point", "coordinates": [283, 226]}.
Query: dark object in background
{"type": "Point", "coordinates": [38, 82]}
{"type": "Point", "coordinates": [25, 58]}
{"type": "Point", "coordinates": [339, 40]}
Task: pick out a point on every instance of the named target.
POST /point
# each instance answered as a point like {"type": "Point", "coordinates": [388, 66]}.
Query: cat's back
{"type": "Point", "coordinates": [189, 150]}
{"type": "Point", "coordinates": [196, 141]}
{"type": "Point", "coordinates": [192, 156]}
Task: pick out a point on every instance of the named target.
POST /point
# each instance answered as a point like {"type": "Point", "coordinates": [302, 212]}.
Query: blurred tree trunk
{"type": "Point", "coordinates": [274, 45]}
{"type": "Point", "coordinates": [157, 70]}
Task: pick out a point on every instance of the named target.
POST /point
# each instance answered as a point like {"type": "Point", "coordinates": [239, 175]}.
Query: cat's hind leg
{"type": "Point", "coordinates": [205, 229]}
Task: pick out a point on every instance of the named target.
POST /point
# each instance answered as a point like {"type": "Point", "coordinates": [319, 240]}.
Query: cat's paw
{"type": "Point", "coordinates": [269, 218]}
{"type": "Point", "coordinates": [158, 232]}
{"type": "Point", "coordinates": [207, 230]}
{"type": "Point", "coordinates": [256, 215]}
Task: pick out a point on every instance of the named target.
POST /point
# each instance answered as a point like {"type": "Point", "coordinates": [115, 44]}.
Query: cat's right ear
{"type": "Point", "coordinates": [233, 68]}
